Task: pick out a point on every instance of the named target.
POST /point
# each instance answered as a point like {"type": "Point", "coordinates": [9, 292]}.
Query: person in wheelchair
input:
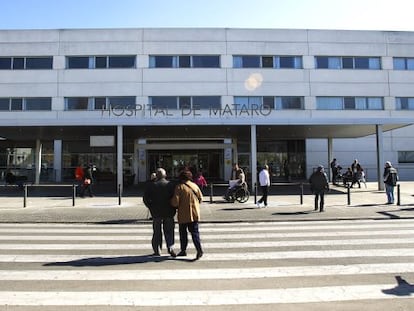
{"type": "Point", "coordinates": [236, 184]}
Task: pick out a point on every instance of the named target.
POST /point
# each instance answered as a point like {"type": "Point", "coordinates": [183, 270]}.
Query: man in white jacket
{"type": "Point", "coordinates": [264, 181]}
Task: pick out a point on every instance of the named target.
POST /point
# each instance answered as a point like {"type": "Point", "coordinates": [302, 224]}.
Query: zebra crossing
{"type": "Point", "coordinates": [263, 265]}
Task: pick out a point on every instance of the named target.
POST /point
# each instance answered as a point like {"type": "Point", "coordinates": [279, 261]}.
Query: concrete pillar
{"type": "Point", "coordinates": [380, 155]}
{"type": "Point", "coordinates": [57, 160]}
{"type": "Point", "coordinates": [330, 158]}
{"type": "Point", "coordinates": [253, 144]}
{"type": "Point", "coordinates": [119, 157]}
{"type": "Point", "coordinates": [38, 161]}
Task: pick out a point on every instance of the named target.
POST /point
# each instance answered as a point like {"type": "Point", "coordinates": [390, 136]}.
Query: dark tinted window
{"type": "Point", "coordinates": [77, 103]}
{"type": "Point", "coordinates": [18, 63]}
{"type": "Point", "coordinates": [16, 104]}
{"type": "Point", "coordinates": [100, 103]}
{"type": "Point", "coordinates": [4, 104]}
{"type": "Point", "coordinates": [122, 102]}
{"type": "Point", "coordinates": [100, 62]}
{"type": "Point", "coordinates": [163, 61]}
{"type": "Point", "coordinates": [39, 63]}
{"type": "Point", "coordinates": [348, 62]}
{"type": "Point", "coordinates": [121, 61]}
{"type": "Point", "coordinates": [38, 104]}
{"type": "Point", "coordinates": [164, 102]}
{"type": "Point", "coordinates": [287, 62]}
{"type": "Point", "coordinates": [269, 102]}
{"type": "Point", "coordinates": [322, 62]}
{"type": "Point", "coordinates": [206, 61]}
{"type": "Point", "coordinates": [78, 62]}
{"type": "Point", "coordinates": [206, 102]}
{"type": "Point", "coordinates": [5, 63]}
{"type": "Point", "coordinates": [184, 102]}
{"type": "Point", "coordinates": [267, 61]}
{"type": "Point", "coordinates": [184, 61]}
{"type": "Point", "coordinates": [251, 61]}
{"type": "Point", "coordinates": [362, 62]}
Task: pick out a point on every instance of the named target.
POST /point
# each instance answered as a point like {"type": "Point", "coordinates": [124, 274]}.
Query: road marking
{"type": "Point", "coordinates": [397, 252]}
{"type": "Point", "coordinates": [204, 274]}
{"type": "Point", "coordinates": [204, 298]}
{"type": "Point", "coordinates": [223, 245]}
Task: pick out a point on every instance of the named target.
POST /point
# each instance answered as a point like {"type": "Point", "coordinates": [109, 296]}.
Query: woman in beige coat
{"type": "Point", "coordinates": [186, 199]}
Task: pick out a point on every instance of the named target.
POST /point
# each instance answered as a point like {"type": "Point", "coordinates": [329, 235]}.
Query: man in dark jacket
{"type": "Point", "coordinates": [319, 184]}
{"type": "Point", "coordinates": [157, 198]}
{"type": "Point", "coordinates": [390, 181]}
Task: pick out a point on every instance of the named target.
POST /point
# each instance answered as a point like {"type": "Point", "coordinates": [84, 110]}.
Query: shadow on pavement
{"type": "Point", "coordinates": [403, 288]}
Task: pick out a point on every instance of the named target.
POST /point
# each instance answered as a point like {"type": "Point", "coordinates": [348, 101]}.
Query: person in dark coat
{"type": "Point", "coordinates": [390, 181]}
{"type": "Point", "coordinates": [88, 181]}
{"type": "Point", "coordinates": [319, 184]}
{"type": "Point", "coordinates": [157, 198]}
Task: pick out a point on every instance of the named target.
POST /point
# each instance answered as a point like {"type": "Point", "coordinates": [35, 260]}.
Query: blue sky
{"type": "Point", "coordinates": [307, 14]}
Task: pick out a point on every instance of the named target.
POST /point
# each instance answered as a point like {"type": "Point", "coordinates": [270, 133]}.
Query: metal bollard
{"type": "Point", "coordinates": [73, 194]}
{"type": "Point", "coordinates": [211, 193]}
{"type": "Point", "coordinates": [25, 196]}
{"type": "Point", "coordinates": [301, 193]}
{"type": "Point", "coordinates": [119, 194]}
{"type": "Point", "coordinates": [348, 191]}
{"type": "Point", "coordinates": [398, 195]}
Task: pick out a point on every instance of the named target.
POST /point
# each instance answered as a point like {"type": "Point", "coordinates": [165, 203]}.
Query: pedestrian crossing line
{"type": "Point", "coordinates": [148, 228]}
{"type": "Point", "coordinates": [206, 236]}
{"type": "Point", "coordinates": [239, 256]}
{"type": "Point", "coordinates": [205, 274]}
{"type": "Point", "coordinates": [223, 245]}
{"type": "Point", "coordinates": [203, 298]}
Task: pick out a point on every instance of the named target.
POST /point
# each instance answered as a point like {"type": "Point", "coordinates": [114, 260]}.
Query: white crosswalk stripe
{"type": "Point", "coordinates": [257, 264]}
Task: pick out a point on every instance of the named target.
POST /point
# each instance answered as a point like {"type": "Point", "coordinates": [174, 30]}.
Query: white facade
{"type": "Point", "coordinates": [347, 129]}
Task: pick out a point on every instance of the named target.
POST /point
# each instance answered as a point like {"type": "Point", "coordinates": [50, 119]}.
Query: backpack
{"type": "Point", "coordinates": [393, 178]}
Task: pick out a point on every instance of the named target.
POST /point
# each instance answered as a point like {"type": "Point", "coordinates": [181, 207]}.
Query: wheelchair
{"type": "Point", "coordinates": [238, 193]}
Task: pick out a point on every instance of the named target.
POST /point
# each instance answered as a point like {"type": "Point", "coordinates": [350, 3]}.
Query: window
{"type": "Point", "coordinates": [38, 103]}
{"type": "Point", "coordinates": [18, 63]}
{"type": "Point", "coordinates": [254, 61]}
{"type": "Point", "coordinates": [20, 104]}
{"type": "Point", "coordinates": [405, 156]}
{"type": "Point", "coordinates": [126, 102]}
{"type": "Point", "coordinates": [184, 61]}
{"type": "Point", "coordinates": [77, 103]}
{"type": "Point", "coordinates": [163, 102]}
{"type": "Point", "coordinates": [404, 103]}
{"type": "Point", "coordinates": [289, 102]}
{"type": "Point", "coordinates": [185, 102]}
{"type": "Point", "coordinates": [403, 63]}
{"type": "Point", "coordinates": [347, 62]}
{"type": "Point", "coordinates": [100, 62]}
{"type": "Point", "coordinates": [349, 103]}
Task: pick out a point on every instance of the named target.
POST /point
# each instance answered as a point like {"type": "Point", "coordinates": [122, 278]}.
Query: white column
{"type": "Point", "coordinates": [330, 157]}
{"type": "Point", "coordinates": [38, 161]}
{"type": "Point", "coordinates": [253, 144]}
{"type": "Point", "coordinates": [380, 155]}
{"type": "Point", "coordinates": [57, 160]}
{"type": "Point", "coordinates": [119, 150]}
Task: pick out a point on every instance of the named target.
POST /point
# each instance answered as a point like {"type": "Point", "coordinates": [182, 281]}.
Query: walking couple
{"type": "Point", "coordinates": [163, 199]}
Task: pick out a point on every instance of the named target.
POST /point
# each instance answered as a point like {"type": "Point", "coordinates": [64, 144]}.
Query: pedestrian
{"type": "Point", "coordinates": [79, 177]}
{"type": "Point", "coordinates": [200, 180]}
{"type": "Point", "coordinates": [334, 170]}
{"type": "Point", "coordinates": [264, 181]}
{"type": "Point", "coordinates": [356, 173]}
{"type": "Point", "coordinates": [319, 184]}
{"type": "Point", "coordinates": [186, 199]}
{"type": "Point", "coordinates": [88, 181]}
{"type": "Point", "coordinates": [390, 181]}
{"type": "Point", "coordinates": [157, 198]}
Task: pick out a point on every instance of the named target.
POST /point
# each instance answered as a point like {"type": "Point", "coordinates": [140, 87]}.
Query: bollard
{"type": "Point", "coordinates": [348, 191]}
{"type": "Point", "coordinates": [211, 193]}
{"type": "Point", "coordinates": [73, 194]}
{"type": "Point", "coordinates": [301, 193]}
{"type": "Point", "coordinates": [398, 195]}
{"type": "Point", "coordinates": [119, 194]}
{"type": "Point", "coordinates": [25, 196]}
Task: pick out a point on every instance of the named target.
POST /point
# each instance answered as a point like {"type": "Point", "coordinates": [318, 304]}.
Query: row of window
{"type": "Point", "coordinates": [204, 61]}
{"type": "Point", "coordinates": [205, 103]}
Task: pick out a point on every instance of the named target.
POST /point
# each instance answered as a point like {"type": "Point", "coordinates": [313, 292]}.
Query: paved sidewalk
{"type": "Point", "coordinates": [366, 203]}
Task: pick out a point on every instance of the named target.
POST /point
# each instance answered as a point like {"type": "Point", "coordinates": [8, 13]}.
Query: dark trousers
{"type": "Point", "coordinates": [160, 224]}
{"type": "Point", "coordinates": [192, 227]}
{"type": "Point", "coordinates": [265, 193]}
{"type": "Point", "coordinates": [319, 197]}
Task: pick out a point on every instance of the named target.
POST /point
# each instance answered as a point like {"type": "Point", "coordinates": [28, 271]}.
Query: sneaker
{"type": "Point", "coordinates": [182, 254]}
{"type": "Point", "coordinates": [172, 253]}
{"type": "Point", "coordinates": [258, 205]}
